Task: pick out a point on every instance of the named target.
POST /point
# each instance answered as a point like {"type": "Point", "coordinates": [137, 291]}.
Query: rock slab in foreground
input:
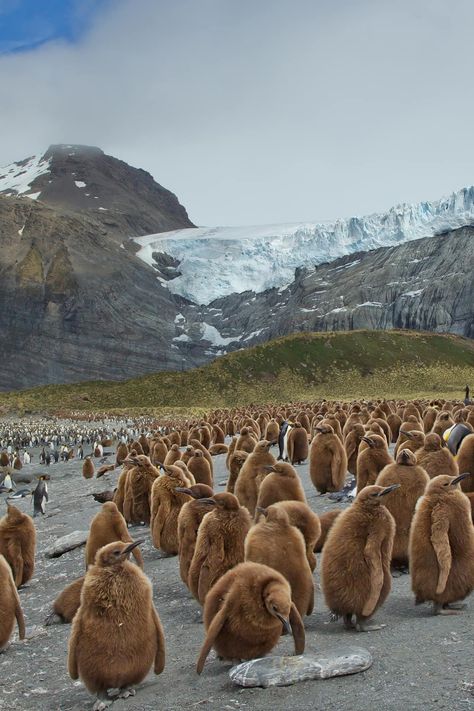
{"type": "Point", "coordinates": [284, 671]}
{"type": "Point", "coordinates": [67, 543]}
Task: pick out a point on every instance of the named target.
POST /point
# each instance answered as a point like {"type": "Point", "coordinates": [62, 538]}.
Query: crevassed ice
{"type": "Point", "coordinates": [218, 261]}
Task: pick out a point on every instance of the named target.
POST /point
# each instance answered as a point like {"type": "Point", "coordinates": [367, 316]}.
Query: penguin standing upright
{"type": "Point", "coordinates": [40, 495]}
{"type": "Point", "coordinates": [281, 439]}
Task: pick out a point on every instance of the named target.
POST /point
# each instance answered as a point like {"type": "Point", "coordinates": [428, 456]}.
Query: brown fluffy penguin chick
{"type": "Point", "coordinates": [465, 462]}
{"type": "Point", "coordinates": [218, 448]}
{"type": "Point", "coordinates": [166, 503]}
{"type": "Point", "coordinates": [443, 422]}
{"type": "Point", "coordinates": [189, 520]}
{"type": "Point", "coordinates": [121, 454]}
{"type": "Point", "coordinates": [173, 455]}
{"type": "Point", "coordinates": [108, 525]}
{"type": "Point", "coordinates": [66, 604]}
{"type": "Point", "coordinates": [301, 516]}
{"type": "Point", "coordinates": [298, 446]}
{"type": "Point", "coordinates": [409, 439]}
{"type": "Point", "coordinates": [138, 484]}
{"type": "Point", "coordinates": [88, 468]}
{"type": "Point", "coordinates": [394, 422]}
{"type": "Point", "coordinates": [236, 462]}
{"type": "Point", "coordinates": [18, 543]}
{"type": "Point", "coordinates": [470, 496]}
{"type": "Point", "coordinates": [436, 459]}
{"type": "Point", "coordinates": [119, 493]}
{"type": "Point", "coordinates": [219, 543]}
{"type": "Point", "coordinates": [282, 483]}
{"type": "Point", "coordinates": [275, 542]}
{"type": "Point", "coordinates": [230, 451]}
{"type": "Point", "coordinates": [9, 605]}
{"type": "Point", "coordinates": [190, 480]}
{"type": "Point", "coordinates": [246, 440]}
{"type": "Point", "coordinates": [159, 451]}
{"type": "Point", "coordinates": [196, 444]}
{"type": "Point", "coordinates": [442, 546]}
{"type": "Point", "coordinates": [355, 569]}
{"type": "Point", "coordinates": [401, 503]}
{"type": "Point", "coordinates": [252, 474]}
{"type": "Point", "coordinates": [200, 469]}
{"type": "Point", "coordinates": [272, 431]}
{"type": "Point", "coordinates": [372, 460]}
{"type": "Point", "coordinates": [326, 521]}
{"type": "Point", "coordinates": [327, 460]}
{"type": "Point", "coordinates": [351, 445]}
{"type": "Point", "coordinates": [245, 613]}
{"type": "Point", "coordinates": [116, 635]}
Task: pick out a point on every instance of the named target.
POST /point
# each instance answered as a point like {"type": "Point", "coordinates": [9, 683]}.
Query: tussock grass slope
{"type": "Point", "coordinates": [342, 365]}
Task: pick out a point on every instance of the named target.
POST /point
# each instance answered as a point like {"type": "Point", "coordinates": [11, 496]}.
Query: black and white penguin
{"type": "Point", "coordinates": [40, 495]}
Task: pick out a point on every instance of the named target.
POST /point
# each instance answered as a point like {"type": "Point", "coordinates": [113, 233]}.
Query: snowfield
{"type": "Point", "coordinates": [218, 261]}
{"type": "Point", "coordinates": [17, 178]}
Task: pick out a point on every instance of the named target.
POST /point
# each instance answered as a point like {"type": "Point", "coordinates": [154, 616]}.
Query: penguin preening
{"type": "Point", "coordinates": [245, 613]}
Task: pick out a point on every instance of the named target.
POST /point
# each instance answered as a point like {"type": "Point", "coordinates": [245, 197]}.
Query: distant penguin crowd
{"type": "Point", "coordinates": [403, 469]}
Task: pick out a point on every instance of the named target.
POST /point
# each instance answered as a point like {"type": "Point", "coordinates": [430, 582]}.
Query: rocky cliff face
{"type": "Point", "coordinates": [426, 284]}
{"type": "Point", "coordinates": [74, 305]}
{"type": "Point", "coordinates": [77, 302]}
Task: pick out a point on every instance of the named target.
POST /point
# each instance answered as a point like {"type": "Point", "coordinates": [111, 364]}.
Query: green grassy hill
{"type": "Point", "coordinates": [341, 365]}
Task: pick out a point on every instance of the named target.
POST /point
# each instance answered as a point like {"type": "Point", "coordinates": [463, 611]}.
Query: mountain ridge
{"type": "Point", "coordinates": [77, 301]}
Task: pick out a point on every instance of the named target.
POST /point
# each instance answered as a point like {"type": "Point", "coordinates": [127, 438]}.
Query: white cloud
{"type": "Point", "coordinates": [281, 110]}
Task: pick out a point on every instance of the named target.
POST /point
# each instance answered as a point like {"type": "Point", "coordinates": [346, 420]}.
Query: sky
{"type": "Point", "coordinates": [251, 111]}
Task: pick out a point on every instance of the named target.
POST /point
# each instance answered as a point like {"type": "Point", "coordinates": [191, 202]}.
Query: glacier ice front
{"type": "Point", "coordinates": [218, 261]}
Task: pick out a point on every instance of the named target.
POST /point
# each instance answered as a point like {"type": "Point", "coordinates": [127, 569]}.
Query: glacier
{"type": "Point", "coordinates": [218, 261]}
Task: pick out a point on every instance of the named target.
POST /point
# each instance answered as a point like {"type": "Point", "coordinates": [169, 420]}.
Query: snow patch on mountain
{"type": "Point", "coordinates": [211, 334]}
{"type": "Point", "coordinates": [216, 262]}
{"type": "Point", "coordinates": [17, 178]}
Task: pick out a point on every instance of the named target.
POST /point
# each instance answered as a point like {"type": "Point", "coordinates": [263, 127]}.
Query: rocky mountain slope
{"type": "Point", "coordinates": [86, 293]}
{"type": "Point", "coordinates": [82, 180]}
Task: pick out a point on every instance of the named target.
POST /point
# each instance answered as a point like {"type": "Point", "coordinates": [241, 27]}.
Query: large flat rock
{"type": "Point", "coordinates": [284, 671]}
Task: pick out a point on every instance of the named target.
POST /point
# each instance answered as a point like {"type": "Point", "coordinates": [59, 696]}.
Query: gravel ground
{"type": "Point", "coordinates": [420, 661]}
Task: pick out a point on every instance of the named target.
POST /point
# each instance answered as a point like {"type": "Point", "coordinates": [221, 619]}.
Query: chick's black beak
{"type": "Point", "coordinates": [388, 489]}
{"type": "Point", "coordinates": [208, 501]}
{"type": "Point", "coordinates": [285, 623]}
{"type": "Point", "coordinates": [184, 490]}
{"type": "Point", "coordinates": [133, 545]}
{"type": "Point", "coordinates": [460, 478]}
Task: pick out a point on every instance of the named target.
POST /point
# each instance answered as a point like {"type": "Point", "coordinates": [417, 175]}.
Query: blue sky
{"type": "Point", "coordinates": [28, 24]}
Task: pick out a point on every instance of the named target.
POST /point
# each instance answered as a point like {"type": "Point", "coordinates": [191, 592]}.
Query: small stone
{"type": "Point", "coordinates": [284, 671]}
{"type": "Point", "coordinates": [67, 543]}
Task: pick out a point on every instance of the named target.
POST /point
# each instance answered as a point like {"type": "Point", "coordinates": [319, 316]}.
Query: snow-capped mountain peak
{"type": "Point", "coordinates": [215, 262]}
{"type": "Point", "coordinates": [17, 178]}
